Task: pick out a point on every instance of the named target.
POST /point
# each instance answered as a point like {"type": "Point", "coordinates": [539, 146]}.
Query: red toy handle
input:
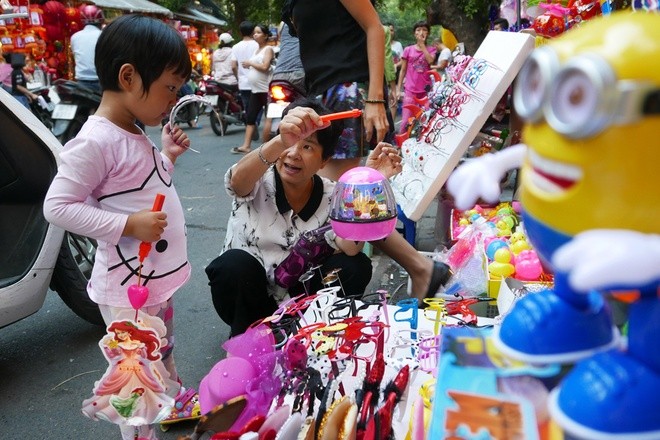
{"type": "Point", "coordinates": [355, 113]}
{"type": "Point", "coordinates": [145, 247]}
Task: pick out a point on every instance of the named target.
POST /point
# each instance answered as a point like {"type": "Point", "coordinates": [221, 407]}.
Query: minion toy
{"type": "Point", "coordinates": [590, 190]}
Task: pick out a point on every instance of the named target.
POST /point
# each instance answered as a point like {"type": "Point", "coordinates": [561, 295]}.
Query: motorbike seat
{"type": "Point", "coordinates": [231, 88]}
{"type": "Point", "coordinates": [65, 87]}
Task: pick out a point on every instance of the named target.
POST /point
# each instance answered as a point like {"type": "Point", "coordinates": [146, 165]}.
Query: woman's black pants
{"type": "Point", "coordinates": [239, 285]}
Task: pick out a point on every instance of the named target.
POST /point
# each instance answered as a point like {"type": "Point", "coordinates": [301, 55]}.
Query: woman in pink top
{"type": "Point", "coordinates": [415, 63]}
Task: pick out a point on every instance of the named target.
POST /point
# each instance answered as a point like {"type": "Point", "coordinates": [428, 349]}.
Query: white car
{"type": "Point", "coordinates": [35, 255]}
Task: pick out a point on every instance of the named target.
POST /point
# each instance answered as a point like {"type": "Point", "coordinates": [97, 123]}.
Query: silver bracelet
{"type": "Point", "coordinates": [263, 159]}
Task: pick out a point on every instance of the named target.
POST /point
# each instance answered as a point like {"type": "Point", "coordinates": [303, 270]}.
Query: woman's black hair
{"type": "Point", "coordinates": [150, 45]}
{"type": "Point", "coordinates": [265, 29]}
{"type": "Point", "coordinates": [327, 137]}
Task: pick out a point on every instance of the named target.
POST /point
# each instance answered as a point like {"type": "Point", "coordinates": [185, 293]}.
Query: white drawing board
{"type": "Point", "coordinates": [459, 115]}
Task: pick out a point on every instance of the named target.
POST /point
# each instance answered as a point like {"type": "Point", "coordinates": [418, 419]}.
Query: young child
{"type": "Point", "coordinates": [415, 63]}
{"type": "Point", "coordinates": [111, 172]}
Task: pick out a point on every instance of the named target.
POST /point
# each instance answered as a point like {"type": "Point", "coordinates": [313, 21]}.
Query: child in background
{"type": "Point", "coordinates": [415, 63]}
{"type": "Point", "coordinates": [111, 172]}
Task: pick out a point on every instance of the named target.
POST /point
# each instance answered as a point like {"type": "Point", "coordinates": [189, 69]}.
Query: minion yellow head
{"type": "Point", "coordinates": [591, 102]}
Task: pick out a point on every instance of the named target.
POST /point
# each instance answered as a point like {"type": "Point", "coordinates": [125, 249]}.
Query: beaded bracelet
{"type": "Point", "coordinates": [263, 159]}
{"type": "Point", "coordinates": [375, 101]}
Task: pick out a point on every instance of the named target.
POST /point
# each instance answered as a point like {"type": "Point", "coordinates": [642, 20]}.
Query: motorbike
{"type": "Point", "coordinates": [227, 106]}
{"type": "Point", "coordinates": [281, 93]}
{"type": "Point", "coordinates": [35, 254]}
{"type": "Point", "coordinates": [76, 103]}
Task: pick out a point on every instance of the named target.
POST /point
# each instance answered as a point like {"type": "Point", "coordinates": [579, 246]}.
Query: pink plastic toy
{"type": "Point", "coordinates": [528, 266]}
{"type": "Point", "coordinates": [363, 206]}
{"type": "Point", "coordinates": [137, 294]}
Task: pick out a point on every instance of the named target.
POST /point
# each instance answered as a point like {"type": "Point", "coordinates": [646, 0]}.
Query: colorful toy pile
{"type": "Point", "coordinates": [507, 251]}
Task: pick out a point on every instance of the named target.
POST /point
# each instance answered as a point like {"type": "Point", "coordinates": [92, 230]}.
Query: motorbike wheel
{"type": "Point", "coordinates": [71, 274]}
{"type": "Point", "coordinates": [218, 122]}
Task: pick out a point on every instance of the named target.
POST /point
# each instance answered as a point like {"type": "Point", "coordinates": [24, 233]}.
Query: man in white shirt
{"type": "Point", "coordinates": [83, 45]}
{"type": "Point", "coordinates": [443, 56]}
{"type": "Point", "coordinates": [242, 51]}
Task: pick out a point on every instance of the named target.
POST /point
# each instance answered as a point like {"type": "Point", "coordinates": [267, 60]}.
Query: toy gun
{"type": "Point", "coordinates": [145, 247]}
{"type": "Point", "coordinates": [462, 307]}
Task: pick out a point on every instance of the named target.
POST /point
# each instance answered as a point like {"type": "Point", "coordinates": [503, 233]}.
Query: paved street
{"type": "Point", "coordinates": [50, 360]}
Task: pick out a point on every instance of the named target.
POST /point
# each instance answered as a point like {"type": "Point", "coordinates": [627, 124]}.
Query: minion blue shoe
{"type": "Point", "coordinates": [610, 396]}
{"type": "Point", "coordinates": [543, 328]}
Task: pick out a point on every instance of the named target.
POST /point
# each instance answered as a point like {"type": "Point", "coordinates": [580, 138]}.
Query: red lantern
{"type": "Point", "coordinates": [73, 23]}
{"type": "Point", "coordinates": [54, 18]}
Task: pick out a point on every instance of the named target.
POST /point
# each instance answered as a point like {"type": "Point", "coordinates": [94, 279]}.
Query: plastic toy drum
{"type": "Point", "coordinates": [363, 207]}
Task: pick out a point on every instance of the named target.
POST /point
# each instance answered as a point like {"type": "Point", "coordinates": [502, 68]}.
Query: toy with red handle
{"type": "Point", "coordinates": [137, 294]}
{"type": "Point", "coordinates": [145, 247]}
{"type": "Point", "coordinates": [355, 113]}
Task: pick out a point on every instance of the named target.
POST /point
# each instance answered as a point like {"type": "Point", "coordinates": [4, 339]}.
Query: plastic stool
{"type": "Point", "coordinates": [409, 229]}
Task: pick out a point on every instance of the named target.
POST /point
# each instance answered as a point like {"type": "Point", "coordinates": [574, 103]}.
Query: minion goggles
{"type": "Point", "coordinates": [582, 97]}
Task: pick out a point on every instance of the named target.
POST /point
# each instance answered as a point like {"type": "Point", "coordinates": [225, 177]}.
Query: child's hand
{"type": "Point", "coordinates": [174, 141]}
{"type": "Point", "coordinates": [146, 225]}
{"type": "Point", "coordinates": [386, 159]}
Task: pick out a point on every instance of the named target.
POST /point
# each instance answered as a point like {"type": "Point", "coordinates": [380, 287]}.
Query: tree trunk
{"type": "Point", "coordinates": [470, 31]}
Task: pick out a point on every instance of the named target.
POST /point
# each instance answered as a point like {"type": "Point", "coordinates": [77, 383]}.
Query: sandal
{"type": "Point", "coordinates": [237, 150]}
{"type": "Point", "coordinates": [186, 407]}
{"type": "Point", "coordinates": [439, 277]}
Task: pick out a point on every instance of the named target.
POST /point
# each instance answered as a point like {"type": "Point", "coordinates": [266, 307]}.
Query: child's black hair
{"type": "Point", "coordinates": [503, 22]}
{"type": "Point", "coordinates": [150, 45]}
{"type": "Point", "coordinates": [420, 24]}
{"type": "Point", "coordinates": [327, 137]}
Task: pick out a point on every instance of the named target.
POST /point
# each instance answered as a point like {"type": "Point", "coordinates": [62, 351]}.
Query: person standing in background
{"type": "Point", "coordinates": [397, 50]}
{"type": "Point", "coordinates": [259, 68]}
{"type": "Point", "coordinates": [83, 45]}
{"type": "Point", "coordinates": [416, 62]}
{"type": "Point", "coordinates": [442, 57]}
{"type": "Point", "coordinates": [225, 67]}
{"type": "Point", "coordinates": [390, 76]}
{"type": "Point", "coordinates": [242, 51]}
{"type": "Point", "coordinates": [288, 68]}
{"type": "Point", "coordinates": [397, 53]}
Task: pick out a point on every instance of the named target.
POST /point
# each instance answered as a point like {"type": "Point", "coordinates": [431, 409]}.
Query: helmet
{"type": "Point", "coordinates": [91, 14]}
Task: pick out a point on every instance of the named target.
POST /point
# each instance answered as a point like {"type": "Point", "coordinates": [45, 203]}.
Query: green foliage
{"type": "Point", "coordinates": [471, 8]}
{"type": "Point", "coordinates": [402, 19]}
{"type": "Point", "coordinates": [173, 5]}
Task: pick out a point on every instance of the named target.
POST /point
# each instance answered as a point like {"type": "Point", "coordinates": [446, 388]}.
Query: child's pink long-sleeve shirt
{"type": "Point", "coordinates": [107, 173]}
